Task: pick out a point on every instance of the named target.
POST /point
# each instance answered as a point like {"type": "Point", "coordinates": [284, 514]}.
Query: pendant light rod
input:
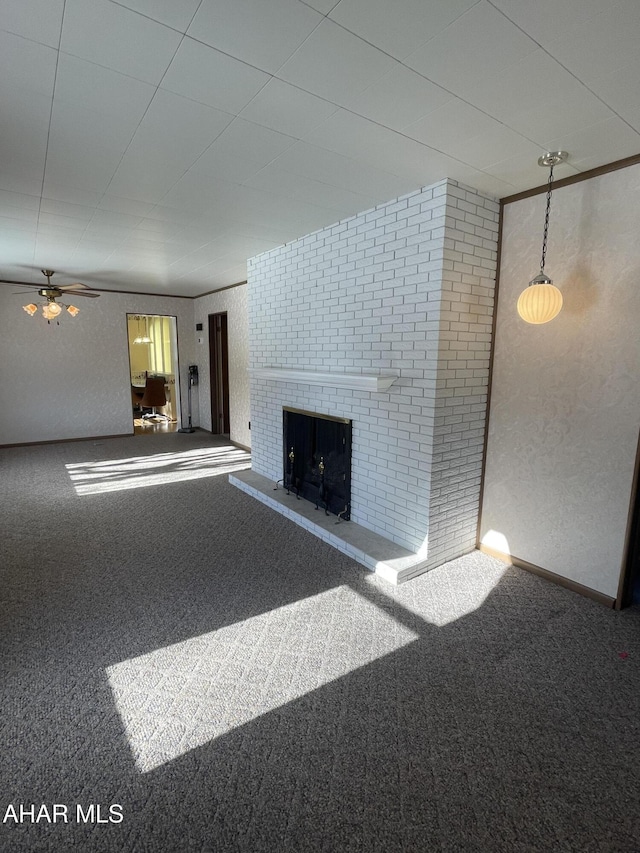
{"type": "Point", "coordinates": [550, 159]}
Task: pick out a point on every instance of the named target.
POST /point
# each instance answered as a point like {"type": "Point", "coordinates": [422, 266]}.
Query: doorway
{"type": "Point", "coordinates": [153, 368]}
{"type": "Point", "coordinates": [631, 585]}
{"type": "Point", "coordinates": [219, 373]}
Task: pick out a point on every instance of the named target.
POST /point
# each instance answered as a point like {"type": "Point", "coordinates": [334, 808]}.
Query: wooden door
{"type": "Point", "coordinates": [219, 373]}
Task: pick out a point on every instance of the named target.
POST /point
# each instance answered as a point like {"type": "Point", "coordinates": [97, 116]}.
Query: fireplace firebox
{"type": "Point", "coordinates": [317, 459]}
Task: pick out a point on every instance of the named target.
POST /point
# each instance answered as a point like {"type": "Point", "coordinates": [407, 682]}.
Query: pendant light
{"type": "Point", "coordinates": [541, 301]}
{"type": "Point", "coordinates": [142, 338]}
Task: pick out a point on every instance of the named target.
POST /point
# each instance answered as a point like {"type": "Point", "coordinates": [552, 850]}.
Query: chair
{"type": "Point", "coordinates": [137, 393]}
{"type": "Point", "coordinates": [154, 396]}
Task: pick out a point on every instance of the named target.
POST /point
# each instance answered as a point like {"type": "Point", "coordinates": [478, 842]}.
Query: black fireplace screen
{"type": "Point", "coordinates": [317, 459]}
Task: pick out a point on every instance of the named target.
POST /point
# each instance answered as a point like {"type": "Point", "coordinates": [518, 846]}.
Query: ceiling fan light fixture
{"type": "Point", "coordinates": [51, 310]}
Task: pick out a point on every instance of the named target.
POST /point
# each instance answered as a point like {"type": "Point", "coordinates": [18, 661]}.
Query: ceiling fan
{"type": "Point", "coordinates": [51, 309]}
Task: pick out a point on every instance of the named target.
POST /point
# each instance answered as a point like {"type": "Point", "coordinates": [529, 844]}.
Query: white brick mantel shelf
{"type": "Point", "coordinates": [354, 381]}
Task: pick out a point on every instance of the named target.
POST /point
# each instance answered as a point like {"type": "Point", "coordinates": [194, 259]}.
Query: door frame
{"type": "Point", "coordinates": [175, 356]}
{"type": "Point", "coordinates": [219, 372]}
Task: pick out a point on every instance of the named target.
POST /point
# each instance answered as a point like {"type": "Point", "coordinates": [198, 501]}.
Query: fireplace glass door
{"type": "Point", "coordinates": [317, 459]}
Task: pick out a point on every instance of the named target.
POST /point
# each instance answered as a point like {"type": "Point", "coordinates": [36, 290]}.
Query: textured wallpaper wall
{"type": "Point", "coordinates": [234, 302]}
{"type": "Point", "coordinates": [72, 380]}
{"type": "Point", "coordinates": [565, 404]}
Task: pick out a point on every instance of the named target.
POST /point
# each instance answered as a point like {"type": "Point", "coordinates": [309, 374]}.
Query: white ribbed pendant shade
{"type": "Point", "coordinates": [539, 303]}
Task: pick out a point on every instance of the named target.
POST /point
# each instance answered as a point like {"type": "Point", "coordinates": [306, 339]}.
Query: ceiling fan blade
{"type": "Point", "coordinates": [76, 285]}
{"type": "Point", "coordinates": [21, 283]}
{"type": "Point", "coordinates": [79, 293]}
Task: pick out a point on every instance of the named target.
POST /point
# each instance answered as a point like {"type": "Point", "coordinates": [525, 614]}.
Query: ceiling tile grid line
{"type": "Point", "coordinates": [48, 136]}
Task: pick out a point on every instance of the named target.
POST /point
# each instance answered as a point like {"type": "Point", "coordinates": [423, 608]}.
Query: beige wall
{"type": "Point", "coordinates": [72, 380]}
{"type": "Point", "coordinates": [565, 404]}
{"type": "Point", "coordinates": [234, 302]}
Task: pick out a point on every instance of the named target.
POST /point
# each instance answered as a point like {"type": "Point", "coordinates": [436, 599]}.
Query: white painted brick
{"type": "Point", "coordinates": [366, 294]}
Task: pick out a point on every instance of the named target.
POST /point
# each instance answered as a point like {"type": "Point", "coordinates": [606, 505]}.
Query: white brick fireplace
{"type": "Point", "coordinates": [403, 292]}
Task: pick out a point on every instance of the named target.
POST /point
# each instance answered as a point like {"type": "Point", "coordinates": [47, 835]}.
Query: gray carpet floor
{"type": "Point", "coordinates": [224, 681]}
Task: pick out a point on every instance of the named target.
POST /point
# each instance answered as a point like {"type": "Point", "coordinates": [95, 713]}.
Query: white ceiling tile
{"type": "Point", "coordinates": [125, 205]}
{"type": "Point", "coordinates": [11, 199]}
{"type": "Point", "coordinates": [89, 86]}
{"type": "Point", "coordinates": [22, 148]}
{"type": "Point", "coordinates": [410, 159]}
{"type": "Point", "coordinates": [167, 216]}
{"type": "Point", "coordinates": [25, 67]}
{"type": "Point", "coordinates": [204, 74]}
{"type": "Point", "coordinates": [481, 42]}
{"type": "Point", "coordinates": [75, 128]}
{"type": "Point", "coordinates": [13, 223]}
{"type": "Point", "coordinates": [524, 86]}
{"type": "Point", "coordinates": [448, 123]}
{"type": "Point", "coordinates": [24, 214]}
{"type": "Point", "coordinates": [632, 118]}
{"type": "Point", "coordinates": [601, 143]}
{"type": "Point", "coordinates": [112, 36]}
{"type": "Point", "coordinates": [262, 34]}
{"type": "Point", "coordinates": [559, 115]}
{"type": "Point", "coordinates": [176, 15]}
{"type": "Point", "coordinates": [26, 182]}
{"type": "Point", "coordinates": [353, 66]}
{"type": "Point", "coordinates": [115, 232]}
{"type": "Point", "coordinates": [49, 253]}
{"type": "Point", "coordinates": [150, 186]}
{"type": "Point", "coordinates": [323, 6]}
{"type": "Point", "coordinates": [489, 147]}
{"type": "Point", "coordinates": [332, 168]}
{"type": "Point", "coordinates": [48, 222]}
{"type": "Point", "coordinates": [602, 44]}
{"type": "Point", "coordinates": [548, 20]}
{"type": "Point", "coordinates": [489, 184]}
{"type": "Point", "coordinates": [344, 133]}
{"type": "Point", "coordinates": [224, 165]}
{"type": "Point", "coordinates": [287, 109]}
{"type": "Point", "coordinates": [398, 31]}
{"type": "Point", "coordinates": [226, 277]}
{"type": "Point", "coordinates": [288, 184]}
{"type": "Point", "coordinates": [79, 212]}
{"type": "Point", "coordinates": [621, 90]}
{"type": "Point", "coordinates": [90, 170]}
{"type": "Point", "coordinates": [181, 128]}
{"type": "Point", "coordinates": [109, 218]}
{"type": "Point", "coordinates": [12, 242]}
{"type": "Point", "coordinates": [251, 142]}
{"type": "Point", "coordinates": [38, 20]}
{"type": "Point", "coordinates": [398, 98]}
{"type": "Point", "coordinates": [196, 193]}
{"type": "Point", "coordinates": [70, 193]}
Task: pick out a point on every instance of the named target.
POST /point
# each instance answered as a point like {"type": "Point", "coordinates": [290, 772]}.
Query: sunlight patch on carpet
{"type": "Point", "coordinates": [180, 697]}
{"type": "Point", "coordinates": [137, 472]}
{"type": "Point", "coordinates": [450, 591]}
